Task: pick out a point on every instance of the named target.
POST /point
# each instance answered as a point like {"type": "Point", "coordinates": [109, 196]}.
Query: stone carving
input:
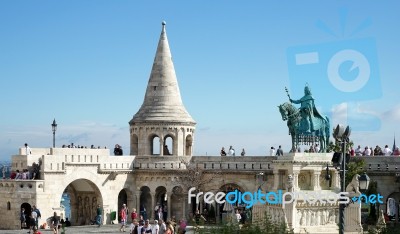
{"type": "Point", "coordinates": [353, 187]}
{"type": "Point", "coordinates": [289, 184]}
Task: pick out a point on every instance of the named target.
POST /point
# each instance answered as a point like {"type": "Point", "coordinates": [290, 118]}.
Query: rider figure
{"type": "Point", "coordinates": [306, 109]}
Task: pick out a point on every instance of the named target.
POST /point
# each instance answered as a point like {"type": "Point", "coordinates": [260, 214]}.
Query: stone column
{"type": "Point", "coordinates": [138, 193]}
{"type": "Point", "coordinates": [161, 146]}
{"type": "Point", "coordinates": [296, 180]}
{"type": "Point", "coordinates": [352, 214]}
{"type": "Point", "coordinates": [276, 180]}
{"type": "Point", "coordinates": [153, 198]}
{"type": "Point", "coordinates": [169, 201]}
{"type": "Point", "coordinates": [184, 206]}
{"type": "Point", "coordinates": [336, 180]}
{"type": "Point", "coordinates": [316, 180]}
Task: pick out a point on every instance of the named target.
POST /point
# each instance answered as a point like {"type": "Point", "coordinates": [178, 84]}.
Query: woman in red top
{"type": "Point", "coordinates": [123, 215]}
{"type": "Point", "coordinates": [134, 215]}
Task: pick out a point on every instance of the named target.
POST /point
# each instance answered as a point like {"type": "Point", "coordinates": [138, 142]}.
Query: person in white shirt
{"type": "Point", "coordinates": [272, 151]}
{"type": "Point", "coordinates": [155, 228]}
{"type": "Point", "coordinates": [231, 151]}
{"type": "Point", "coordinates": [387, 151]}
{"type": "Point", "coordinates": [358, 151]}
{"type": "Point", "coordinates": [27, 149]}
{"type": "Point", "coordinates": [367, 151]}
{"type": "Point", "coordinates": [316, 148]}
{"type": "Point", "coordinates": [163, 227]}
{"type": "Point", "coordinates": [238, 216]}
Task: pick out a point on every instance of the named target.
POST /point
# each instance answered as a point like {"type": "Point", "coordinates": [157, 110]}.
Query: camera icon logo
{"type": "Point", "coordinates": [338, 72]}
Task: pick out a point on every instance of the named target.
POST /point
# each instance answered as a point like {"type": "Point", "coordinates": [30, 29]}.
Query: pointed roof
{"type": "Point", "coordinates": [162, 101]}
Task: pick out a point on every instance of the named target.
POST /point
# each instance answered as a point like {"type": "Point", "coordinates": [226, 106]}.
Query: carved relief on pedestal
{"type": "Point", "coordinates": [317, 215]}
{"type": "Point", "coordinates": [323, 183]}
{"type": "Point", "coordinates": [304, 180]}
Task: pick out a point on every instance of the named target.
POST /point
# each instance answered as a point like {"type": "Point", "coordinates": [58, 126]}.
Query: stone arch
{"type": "Point", "coordinates": [396, 197]}
{"type": "Point", "coordinates": [28, 209]}
{"type": "Point", "coordinates": [188, 145]}
{"type": "Point", "coordinates": [84, 196]}
{"type": "Point", "coordinates": [122, 199]}
{"type": "Point", "coordinates": [154, 140]}
{"type": "Point", "coordinates": [145, 202]}
{"type": "Point", "coordinates": [169, 145]}
{"type": "Point", "coordinates": [134, 144]}
{"type": "Point", "coordinates": [161, 200]}
{"type": "Point", "coordinates": [226, 208]}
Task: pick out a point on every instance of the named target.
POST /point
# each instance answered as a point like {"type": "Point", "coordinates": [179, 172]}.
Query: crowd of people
{"type": "Point", "coordinates": [377, 151]}
{"type": "Point", "coordinates": [141, 225]}
{"type": "Point", "coordinates": [231, 152]}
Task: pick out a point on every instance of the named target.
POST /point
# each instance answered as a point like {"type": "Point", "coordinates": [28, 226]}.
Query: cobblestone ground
{"type": "Point", "coordinates": [112, 228]}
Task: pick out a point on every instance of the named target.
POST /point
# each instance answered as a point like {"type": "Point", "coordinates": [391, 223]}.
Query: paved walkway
{"type": "Point", "coordinates": [109, 228]}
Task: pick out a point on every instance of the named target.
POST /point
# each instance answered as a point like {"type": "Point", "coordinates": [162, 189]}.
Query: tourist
{"type": "Point", "coordinates": [279, 152]}
{"type": "Point", "coordinates": [238, 216]}
{"type": "Point", "coordinates": [55, 222]}
{"type": "Point", "coordinates": [396, 151]}
{"type": "Point", "coordinates": [231, 151]}
{"type": "Point", "coordinates": [22, 218]}
{"type": "Point", "coordinates": [38, 215]}
{"type": "Point", "coordinates": [223, 153]}
{"type": "Point", "coordinates": [122, 214]}
{"type": "Point", "coordinates": [163, 227]}
{"type": "Point", "coordinates": [358, 151]}
{"type": "Point", "coordinates": [146, 227]}
{"type": "Point", "coordinates": [316, 148]}
{"type": "Point", "coordinates": [118, 150]}
{"type": "Point", "coordinates": [134, 214]}
{"type": "Point", "coordinates": [99, 213]}
{"type": "Point", "coordinates": [387, 151]}
{"type": "Point", "coordinates": [243, 153]}
{"type": "Point", "coordinates": [27, 149]}
{"type": "Point", "coordinates": [155, 229]}
{"type": "Point", "coordinates": [272, 151]}
{"type": "Point", "coordinates": [367, 151]}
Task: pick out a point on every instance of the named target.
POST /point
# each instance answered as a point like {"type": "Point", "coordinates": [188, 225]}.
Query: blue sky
{"type": "Point", "coordinates": [87, 63]}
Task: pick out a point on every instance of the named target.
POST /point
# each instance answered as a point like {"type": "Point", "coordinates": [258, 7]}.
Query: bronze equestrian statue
{"type": "Point", "coordinates": [306, 125]}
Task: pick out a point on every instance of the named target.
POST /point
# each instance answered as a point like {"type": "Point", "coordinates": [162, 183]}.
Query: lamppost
{"type": "Point", "coordinates": [54, 129]}
{"type": "Point", "coordinates": [341, 134]}
{"type": "Point", "coordinates": [260, 180]}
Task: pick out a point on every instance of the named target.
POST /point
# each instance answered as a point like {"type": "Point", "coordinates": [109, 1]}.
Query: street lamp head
{"type": "Point", "coordinates": [341, 132]}
{"type": "Point", "coordinates": [364, 182]}
{"type": "Point", "coordinates": [54, 125]}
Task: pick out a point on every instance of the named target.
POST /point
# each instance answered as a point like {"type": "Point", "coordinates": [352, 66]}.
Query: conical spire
{"type": "Point", "coordinates": [162, 101]}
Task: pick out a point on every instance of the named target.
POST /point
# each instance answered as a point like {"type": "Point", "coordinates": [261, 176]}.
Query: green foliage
{"type": "Point", "coordinates": [384, 230]}
{"type": "Point", "coordinates": [266, 226]}
{"type": "Point", "coordinates": [335, 146]}
{"type": "Point", "coordinates": [355, 166]}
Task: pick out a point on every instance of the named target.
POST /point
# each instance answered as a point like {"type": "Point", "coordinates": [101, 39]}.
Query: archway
{"type": "Point", "coordinates": [83, 196]}
{"type": "Point", "coordinates": [145, 202]}
{"type": "Point", "coordinates": [161, 201]}
{"type": "Point", "coordinates": [155, 145]}
{"type": "Point", "coordinates": [225, 209]}
{"type": "Point", "coordinates": [28, 210]}
{"type": "Point", "coordinates": [168, 145]}
{"type": "Point", "coordinates": [122, 199]}
{"type": "Point", "coordinates": [392, 206]}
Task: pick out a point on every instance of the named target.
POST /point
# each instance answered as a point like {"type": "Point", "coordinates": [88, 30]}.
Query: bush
{"type": "Point", "coordinates": [266, 226]}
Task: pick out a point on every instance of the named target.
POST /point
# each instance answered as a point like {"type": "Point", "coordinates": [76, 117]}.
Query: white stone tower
{"type": "Point", "coordinates": [162, 119]}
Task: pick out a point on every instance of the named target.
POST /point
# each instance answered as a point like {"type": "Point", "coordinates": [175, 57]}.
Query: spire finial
{"type": "Point", "coordinates": [163, 26]}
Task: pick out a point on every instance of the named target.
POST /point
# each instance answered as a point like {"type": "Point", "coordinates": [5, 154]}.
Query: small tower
{"type": "Point", "coordinates": [162, 117]}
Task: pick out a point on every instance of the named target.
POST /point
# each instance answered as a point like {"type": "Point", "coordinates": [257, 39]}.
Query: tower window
{"type": "Point", "coordinates": [154, 88]}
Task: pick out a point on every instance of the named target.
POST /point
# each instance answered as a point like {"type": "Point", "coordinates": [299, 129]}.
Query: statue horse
{"type": "Point", "coordinates": [320, 133]}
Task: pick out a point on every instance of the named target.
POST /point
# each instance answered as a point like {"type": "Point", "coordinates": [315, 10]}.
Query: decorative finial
{"type": "Point", "coordinates": [164, 23]}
